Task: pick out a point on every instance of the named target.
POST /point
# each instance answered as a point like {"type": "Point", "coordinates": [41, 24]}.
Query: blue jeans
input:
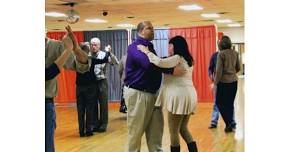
{"type": "Point", "coordinates": [50, 125]}
{"type": "Point", "coordinates": [215, 114]}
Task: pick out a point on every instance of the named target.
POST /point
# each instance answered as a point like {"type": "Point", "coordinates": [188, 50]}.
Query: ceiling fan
{"type": "Point", "coordinates": [72, 16]}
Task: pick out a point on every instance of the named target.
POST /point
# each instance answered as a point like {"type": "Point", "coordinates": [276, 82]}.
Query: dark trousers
{"type": "Point", "coordinates": [100, 114]}
{"type": "Point", "coordinates": [225, 97]}
{"type": "Point", "coordinates": [86, 101]}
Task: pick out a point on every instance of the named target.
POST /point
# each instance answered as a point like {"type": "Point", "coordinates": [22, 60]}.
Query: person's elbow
{"type": "Point", "coordinates": [82, 68]}
{"type": "Point", "coordinates": [238, 69]}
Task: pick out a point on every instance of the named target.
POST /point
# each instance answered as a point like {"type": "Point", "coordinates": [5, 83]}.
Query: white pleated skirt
{"type": "Point", "coordinates": [178, 99]}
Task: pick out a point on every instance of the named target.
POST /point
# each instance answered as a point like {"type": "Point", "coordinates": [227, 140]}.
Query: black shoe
{"type": "Point", "coordinates": [233, 125]}
{"type": "Point", "coordinates": [122, 109]}
{"type": "Point", "coordinates": [212, 126]}
{"type": "Point", "coordinates": [228, 129]}
{"type": "Point", "coordinates": [82, 134]}
{"type": "Point", "coordinates": [192, 146]}
{"type": "Point", "coordinates": [175, 149]}
{"type": "Point", "coordinates": [89, 134]}
{"type": "Point", "coordinates": [95, 130]}
{"type": "Point", "coordinates": [101, 129]}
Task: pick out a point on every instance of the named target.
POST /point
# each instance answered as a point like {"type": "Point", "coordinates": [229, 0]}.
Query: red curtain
{"type": "Point", "coordinates": [66, 79]}
{"type": "Point", "coordinates": [202, 44]}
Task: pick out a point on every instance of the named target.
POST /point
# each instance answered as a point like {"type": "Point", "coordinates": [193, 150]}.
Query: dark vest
{"type": "Point", "coordinates": [86, 78]}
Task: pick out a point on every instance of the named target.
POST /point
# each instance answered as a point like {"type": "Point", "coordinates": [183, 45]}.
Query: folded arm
{"type": "Point", "coordinates": [169, 62]}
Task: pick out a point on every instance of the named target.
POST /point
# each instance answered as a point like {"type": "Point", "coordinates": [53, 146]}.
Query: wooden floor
{"type": "Point", "coordinates": [67, 138]}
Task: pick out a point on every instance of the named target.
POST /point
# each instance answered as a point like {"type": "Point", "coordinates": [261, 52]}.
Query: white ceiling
{"type": "Point", "coordinates": [162, 13]}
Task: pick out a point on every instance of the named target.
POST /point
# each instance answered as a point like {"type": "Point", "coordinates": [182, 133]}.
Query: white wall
{"type": "Point", "coordinates": [235, 33]}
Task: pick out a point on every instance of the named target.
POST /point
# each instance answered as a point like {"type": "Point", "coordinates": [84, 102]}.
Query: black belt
{"type": "Point", "coordinates": [141, 89]}
{"type": "Point", "coordinates": [49, 100]}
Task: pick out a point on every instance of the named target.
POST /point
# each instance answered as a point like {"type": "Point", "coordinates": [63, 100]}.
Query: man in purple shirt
{"type": "Point", "coordinates": [142, 81]}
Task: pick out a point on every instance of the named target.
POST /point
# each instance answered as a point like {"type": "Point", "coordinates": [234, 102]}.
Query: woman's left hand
{"type": "Point", "coordinates": [143, 49]}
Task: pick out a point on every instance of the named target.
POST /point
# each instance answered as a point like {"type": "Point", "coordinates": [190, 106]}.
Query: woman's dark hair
{"type": "Point", "coordinates": [181, 48]}
{"type": "Point", "coordinates": [225, 43]}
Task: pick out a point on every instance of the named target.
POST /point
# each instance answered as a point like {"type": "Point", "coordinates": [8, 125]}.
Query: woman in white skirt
{"type": "Point", "coordinates": [177, 93]}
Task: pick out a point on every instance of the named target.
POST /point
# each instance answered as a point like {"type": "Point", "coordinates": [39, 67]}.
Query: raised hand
{"type": "Point", "coordinates": [81, 56]}
{"type": "Point", "coordinates": [73, 38]}
{"type": "Point", "coordinates": [68, 44]}
{"type": "Point", "coordinates": [108, 48]}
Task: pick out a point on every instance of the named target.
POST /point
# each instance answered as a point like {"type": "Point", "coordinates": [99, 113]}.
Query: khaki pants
{"type": "Point", "coordinates": [143, 117]}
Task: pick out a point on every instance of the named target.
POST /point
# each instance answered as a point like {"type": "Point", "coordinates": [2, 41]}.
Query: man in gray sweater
{"type": "Point", "coordinates": [78, 61]}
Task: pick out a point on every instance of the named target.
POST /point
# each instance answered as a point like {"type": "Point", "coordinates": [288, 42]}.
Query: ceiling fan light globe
{"type": "Point", "coordinates": [72, 16]}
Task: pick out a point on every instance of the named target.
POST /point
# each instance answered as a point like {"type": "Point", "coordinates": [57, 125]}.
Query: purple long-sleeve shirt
{"type": "Point", "coordinates": [140, 73]}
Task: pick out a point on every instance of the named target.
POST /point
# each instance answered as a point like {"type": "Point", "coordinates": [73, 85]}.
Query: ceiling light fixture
{"type": "Point", "coordinates": [127, 25]}
{"type": "Point", "coordinates": [224, 21]}
{"type": "Point", "coordinates": [210, 15]}
{"type": "Point", "coordinates": [234, 25]}
{"type": "Point", "coordinates": [96, 20]}
{"type": "Point", "coordinates": [54, 14]}
{"type": "Point", "coordinates": [72, 16]}
{"type": "Point", "coordinates": [193, 7]}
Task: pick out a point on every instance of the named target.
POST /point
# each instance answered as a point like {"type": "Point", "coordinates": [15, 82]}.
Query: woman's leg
{"type": "Point", "coordinates": [192, 146]}
{"type": "Point", "coordinates": [184, 129]}
{"type": "Point", "coordinates": [174, 122]}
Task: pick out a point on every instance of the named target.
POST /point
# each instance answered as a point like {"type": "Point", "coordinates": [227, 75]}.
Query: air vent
{"type": "Point", "coordinates": [130, 17]}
